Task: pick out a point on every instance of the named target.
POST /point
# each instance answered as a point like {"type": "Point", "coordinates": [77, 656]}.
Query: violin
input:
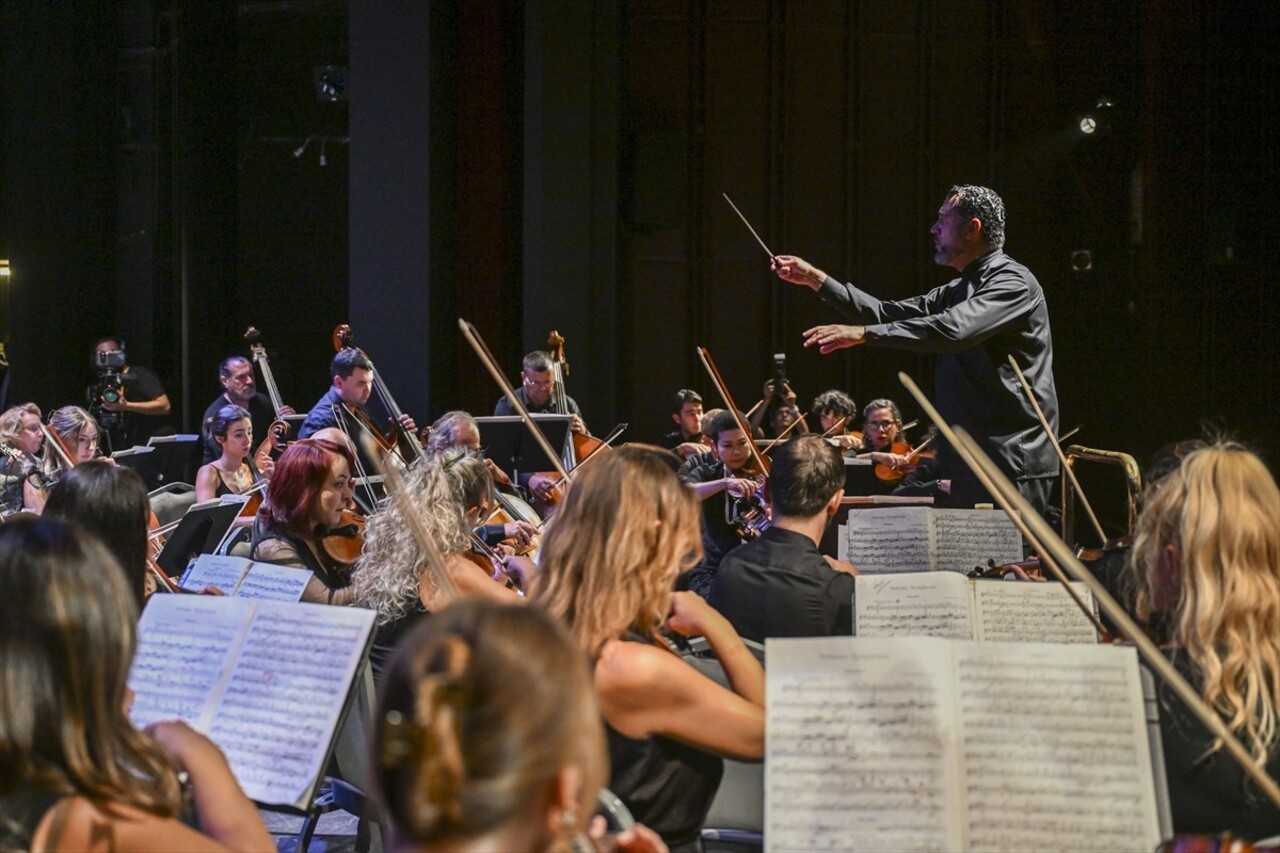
{"type": "Point", "coordinates": [344, 542]}
{"type": "Point", "coordinates": [492, 563]}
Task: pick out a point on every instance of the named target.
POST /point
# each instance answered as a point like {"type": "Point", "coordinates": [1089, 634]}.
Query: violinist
{"type": "Point", "coordinates": [779, 585]}
{"type": "Point", "coordinates": [1206, 557]}
{"type": "Point", "coordinates": [351, 375]}
{"type": "Point", "coordinates": [109, 501]}
{"type": "Point", "coordinates": [459, 430]}
{"type": "Point", "coordinates": [232, 473]}
{"type": "Point", "coordinates": [719, 478]}
{"type": "Point", "coordinates": [836, 413]}
{"type": "Point", "coordinates": [21, 438]}
{"type": "Point", "coordinates": [451, 493]}
{"type": "Point", "coordinates": [235, 374]}
{"type": "Point", "coordinates": [686, 411]}
{"type": "Point", "coordinates": [310, 499]}
{"type": "Point", "coordinates": [537, 392]}
{"type": "Point", "coordinates": [78, 432]}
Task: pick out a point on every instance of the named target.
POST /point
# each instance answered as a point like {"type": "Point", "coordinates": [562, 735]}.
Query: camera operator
{"type": "Point", "coordinates": [122, 392]}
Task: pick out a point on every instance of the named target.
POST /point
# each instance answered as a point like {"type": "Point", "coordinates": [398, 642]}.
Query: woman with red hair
{"type": "Point", "coordinates": [310, 488]}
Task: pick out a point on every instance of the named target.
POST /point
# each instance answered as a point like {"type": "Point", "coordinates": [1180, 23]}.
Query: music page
{"type": "Point", "coordinates": [857, 740]}
{"type": "Point", "coordinates": [183, 656]}
{"type": "Point", "coordinates": [967, 538]}
{"type": "Point", "coordinates": [922, 604]}
{"type": "Point", "coordinates": [242, 578]}
{"type": "Point", "coordinates": [1032, 612]}
{"type": "Point", "coordinates": [286, 692]}
{"type": "Point", "coordinates": [1054, 748]}
{"type": "Point", "coordinates": [889, 540]}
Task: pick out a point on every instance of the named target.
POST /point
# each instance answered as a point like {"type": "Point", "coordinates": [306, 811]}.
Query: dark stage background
{"type": "Point", "coordinates": [532, 166]}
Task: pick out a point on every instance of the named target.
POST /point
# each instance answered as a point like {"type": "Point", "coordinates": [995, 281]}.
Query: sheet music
{"type": "Point", "coordinates": [1032, 612]}
{"type": "Point", "coordinates": [922, 604]}
{"type": "Point", "coordinates": [274, 583]}
{"type": "Point", "coordinates": [889, 540]}
{"type": "Point", "coordinates": [214, 570]}
{"type": "Point", "coordinates": [183, 648]}
{"type": "Point", "coordinates": [285, 694]}
{"type": "Point", "coordinates": [1054, 748]}
{"type": "Point", "coordinates": [857, 738]}
{"type": "Point", "coordinates": [966, 538]}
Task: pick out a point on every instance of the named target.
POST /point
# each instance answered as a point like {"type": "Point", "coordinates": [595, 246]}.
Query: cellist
{"type": "Point", "coordinates": [537, 392]}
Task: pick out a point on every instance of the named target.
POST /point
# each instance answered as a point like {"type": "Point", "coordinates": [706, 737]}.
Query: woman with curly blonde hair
{"type": "Point", "coordinates": [1207, 557]}
{"type": "Point", "coordinates": [450, 494]}
{"type": "Point", "coordinates": [627, 527]}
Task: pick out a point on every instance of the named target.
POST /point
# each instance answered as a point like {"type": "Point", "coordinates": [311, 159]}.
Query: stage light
{"type": "Point", "coordinates": [1088, 125]}
{"type": "Point", "coordinates": [331, 83]}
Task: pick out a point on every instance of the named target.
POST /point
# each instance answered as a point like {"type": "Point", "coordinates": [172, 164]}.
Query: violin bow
{"type": "Point", "coordinates": [718, 381]}
{"type": "Point", "coordinates": [1046, 542]}
{"type": "Point", "coordinates": [1062, 457]}
{"type": "Point", "coordinates": [473, 338]}
{"type": "Point", "coordinates": [603, 445]}
{"type": "Point", "coordinates": [65, 457]}
{"type": "Point", "coordinates": [399, 493]}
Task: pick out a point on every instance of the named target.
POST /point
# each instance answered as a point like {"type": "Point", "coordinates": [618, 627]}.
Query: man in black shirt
{"type": "Point", "coordinates": [142, 394]}
{"type": "Point", "coordinates": [686, 411]}
{"type": "Point", "coordinates": [537, 393]}
{"type": "Point", "coordinates": [779, 585]}
{"type": "Point", "coordinates": [993, 310]}
{"type": "Point", "coordinates": [239, 389]}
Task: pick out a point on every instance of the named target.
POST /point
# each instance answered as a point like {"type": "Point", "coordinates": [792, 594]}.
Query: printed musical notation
{"type": "Point", "coordinates": [267, 681]}
{"type": "Point", "coordinates": [242, 578]}
{"type": "Point", "coordinates": [945, 604]}
{"type": "Point", "coordinates": [929, 744]}
{"type": "Point", "coordinates": [897, 539]}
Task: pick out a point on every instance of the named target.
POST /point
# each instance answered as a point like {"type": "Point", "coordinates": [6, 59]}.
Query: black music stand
{"type": "Point", "coordinates": [512, 447]}
{"type": "Point", "coordinates": [200, 531]}
{"type": "Point", "coordinates": [174, 460]}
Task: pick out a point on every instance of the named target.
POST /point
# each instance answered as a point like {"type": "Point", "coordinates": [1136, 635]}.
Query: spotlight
{"type": "Point", "coordinates": [1098, 119]}
{"type": "Point", "coordinates": [1088, 125]}
{"type": "Point", "coordinates": [331, 83]}
{"type": "Point", "coordinates": [1081, 260]}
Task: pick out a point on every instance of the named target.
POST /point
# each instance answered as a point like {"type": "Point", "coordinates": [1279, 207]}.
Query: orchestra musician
{"type": "Point", "coordinates": [458, 429]}
{"type": "Point", "coordinates": [111, 502]}
{"type": "Point", "coordinates": [686, 411]}
{"type": "Point", "coordinates": [351, 375]}
{"type": "Point", "coordinates": [537, 392]}
{"type": "Point", "coordinates": [77, 774]}
{"type": "Point", "coordinates": [232, 472]}
{"type": "Point", "coordinates": [20, 434]}
{"type": "Point", "coordinates": [780, 585]}
{"type": "Point", "coordinates": [994, 309]}
{"type": "Point", "coordinates": [310, 499]}
{"type": "Point", "coordinates": [239, 388]}
{"type": "Point", "coordinates": [451, 492]}
{"type": "Point", "coordinates": [625, 531]}
{"type": "Point", "coordinates": [484, 751]}
{"type": "Point", "coordinates": [1206, 557]}
{"type": "Point", "coordinates": [836, 413]}
{"type": "Point", "coordinates": [718, 478]}
{"type": "Point", "coordinates": [79, 433]}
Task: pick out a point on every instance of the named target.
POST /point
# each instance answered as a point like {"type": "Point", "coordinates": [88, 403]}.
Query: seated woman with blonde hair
{"type": "Point", "coordinates": [627, 527]}
{"type": "Point", "coordinates": [1207, 559]}
{"type": "Point", "coordinates": [77, 774]}
{"type": "Point", "coordinates": [449, 493]}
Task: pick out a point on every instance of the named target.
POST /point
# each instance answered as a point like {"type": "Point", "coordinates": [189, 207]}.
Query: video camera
{"type": "Point", "coordinates": [109, 384]}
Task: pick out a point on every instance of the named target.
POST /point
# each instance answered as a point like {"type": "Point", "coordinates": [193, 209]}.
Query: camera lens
{"type": "Point", "coordinates": [110, 395]}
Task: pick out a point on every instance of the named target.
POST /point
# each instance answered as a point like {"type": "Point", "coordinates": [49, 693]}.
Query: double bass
{"type": "Point", "coordinates": [399, 441]}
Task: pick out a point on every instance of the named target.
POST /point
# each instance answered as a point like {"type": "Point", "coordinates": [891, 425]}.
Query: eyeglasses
{"type": "Point", "coordinates": [880, 424]}
{"type": "Point", "coordinates": [546, 383]}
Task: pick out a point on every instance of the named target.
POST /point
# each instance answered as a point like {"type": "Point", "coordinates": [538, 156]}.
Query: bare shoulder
{"type": "Point", "coordinates": [77, 823]}
{"type": "Point", "coordinates": [629, 674]}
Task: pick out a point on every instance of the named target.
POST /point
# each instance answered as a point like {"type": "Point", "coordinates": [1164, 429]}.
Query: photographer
{"type": "Point", "coordinates": [120, 390]}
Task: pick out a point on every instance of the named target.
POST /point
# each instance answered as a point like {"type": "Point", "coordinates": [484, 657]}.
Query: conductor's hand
{"type": "Point", "coordinates": [831, 338]}
{"type": "Point", "coordinates": [797, 271]}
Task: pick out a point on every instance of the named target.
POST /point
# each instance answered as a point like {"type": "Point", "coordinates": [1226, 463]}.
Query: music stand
{"type": "Point", "coordinates": [176, 458]}
{"type": "Point", "coordinates": [510, 445]}
{"type": "Point", "coordinates": [200, 531]}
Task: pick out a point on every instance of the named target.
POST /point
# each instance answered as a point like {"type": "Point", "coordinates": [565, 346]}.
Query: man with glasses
{"type": "Point", "coordinates": [235, 374]}
{"type": "Point", "coordinates": [537, 393]}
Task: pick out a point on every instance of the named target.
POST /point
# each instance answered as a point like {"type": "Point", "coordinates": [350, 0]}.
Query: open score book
{"type": "Point", "coordinates": [891, 539]}
{"type": "Point", "coordinates": [269, 682]}
{"type": "Point", "coordinates": [930, 744]}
